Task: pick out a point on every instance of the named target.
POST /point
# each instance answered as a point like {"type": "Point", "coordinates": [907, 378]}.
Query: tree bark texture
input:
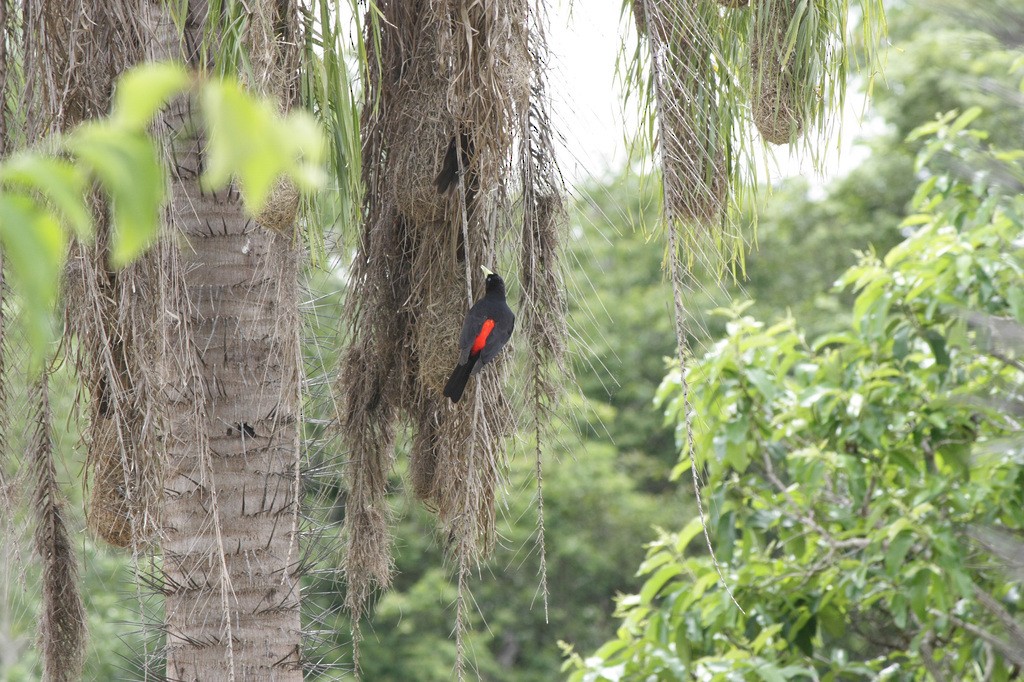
{"type": "Point", "coordinates": [231, 428]}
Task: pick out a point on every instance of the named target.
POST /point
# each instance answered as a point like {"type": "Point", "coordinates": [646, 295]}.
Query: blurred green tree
{"type": "Point", "coordinates": [851, 478]}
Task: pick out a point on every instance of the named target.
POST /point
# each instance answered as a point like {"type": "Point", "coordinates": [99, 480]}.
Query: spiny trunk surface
{"type": "Point", "coordinates": [230, 550]}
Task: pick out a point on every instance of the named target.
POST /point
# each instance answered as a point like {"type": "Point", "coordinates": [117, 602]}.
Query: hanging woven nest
{"type": "Point", "coordinates": [281, 207]}
{"type": "Point", "coordinates": [775, 83]}
{"type": "Point", "coordinates": [110, 513]}
{"type": "Point", "coordinates": [422, 130]}
{"type": "Point", "coordinates": [451, 76]}
{"type": "Point", "coordinates": [439, 304]}
{"type": "Point", "coordinates": [424, 455]}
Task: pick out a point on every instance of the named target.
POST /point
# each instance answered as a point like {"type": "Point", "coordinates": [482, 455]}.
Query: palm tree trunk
{"type": "Point", "coordinates": [230, 541]}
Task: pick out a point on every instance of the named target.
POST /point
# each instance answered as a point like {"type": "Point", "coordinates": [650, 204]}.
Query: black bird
{"type": "Point", "coordinates": [448, 178]}
{"type": "Point", "coordinates": [488, 326]}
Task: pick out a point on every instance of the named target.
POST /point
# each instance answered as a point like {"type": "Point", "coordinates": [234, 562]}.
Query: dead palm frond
{"type": "Point", "coordinates": [543, 303]}
{"type": "Point", "coordinates": [705, 70]}
{"type": "Point", "coordinates": [458, 84]}
{"type": "Point", "coordinates": [62, 625]}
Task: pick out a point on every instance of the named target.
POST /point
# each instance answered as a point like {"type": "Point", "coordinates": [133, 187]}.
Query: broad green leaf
{"type": "Point", "coordinates": [938, 345]}
{"type": "Point", "coordinates": [35, 246]}
{"type": "Point", "coordinates": [242, 141]}
{"type": "Point", "coordinates": [654, 561]}
{"type": "Point", "coordinates": [965, 119]}
{"type": "Point", "coordinates": [923, 191]}
{"type": "Point", "coordinates": [918, 593]}
{"type": "Point", "coordinates": [930, 128]}
{"type": "Point", "coordinates": [654, 584]}
{"type": "Point", "coordinates": [957, 454]}
{"type": "Point", "coordinates": [692, 529]}
{"type": "Point", "coordinates": [762, 637]}
{"type": "Point", "coordinates": [62, 183]}
{"type": "Point", "coordinates": [130, 171]}
{"type": "Point", "coordinates": [1016, 300]}
{"type": "Point", "coordinates": [897, 552]}
{"type": "Point", "coordinates": [768, 672]}
{"type": "Point", "coordinates": [611, 648]}
{"type": "Point", "coordinates": [308, 148]}
{"type": "Point", "coordinates": [143, 91]}
{"type": "Point", "coordinates": [248, 140]}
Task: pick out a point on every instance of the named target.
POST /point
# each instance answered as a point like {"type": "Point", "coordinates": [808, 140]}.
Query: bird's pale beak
{"type": "Point", "coordinates": [487, 272]}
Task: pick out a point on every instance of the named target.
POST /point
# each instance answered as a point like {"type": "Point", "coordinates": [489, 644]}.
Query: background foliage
{"type": "Point", "coordinates": [864, 478]}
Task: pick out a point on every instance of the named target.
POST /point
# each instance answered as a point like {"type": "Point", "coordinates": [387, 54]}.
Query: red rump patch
{"type": "Point", "coordinates": [481, 338]}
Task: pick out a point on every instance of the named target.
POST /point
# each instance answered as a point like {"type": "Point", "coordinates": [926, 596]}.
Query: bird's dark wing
{"type": "Point", "coordinates": [449, 175]}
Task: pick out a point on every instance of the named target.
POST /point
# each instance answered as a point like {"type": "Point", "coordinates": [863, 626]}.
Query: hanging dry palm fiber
{"type": "Point", "coordinates": [70, 53]}
{"type": "Point", "coordinates": [8, 38]}
{"type": "Point", "coordinates": [74, 52]}
{"type": "Point", "coordinates": [62, 624]}
{"type": "Point", "coordinates": [691, 144]}
{"type": "Point", "coordinates": [448, 94]}
{"type": "Point", "coordinates": [543, 306]}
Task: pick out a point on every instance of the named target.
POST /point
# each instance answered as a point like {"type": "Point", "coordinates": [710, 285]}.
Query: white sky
{"type": "Point", "coordinates": [584, 41]}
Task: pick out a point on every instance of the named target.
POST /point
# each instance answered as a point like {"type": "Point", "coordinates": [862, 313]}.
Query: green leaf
{"type": "Point", "coordinates": [1016, 301]}
{"type": "Point", "coordinates": [803, 632]}
{"type": "Point", "coordinates": [899, 610]}
{"type": "Point", "coordinates": [307, 142]}
{"type": "Point", "coordinates": [965, 119]}
{"type": "Point", "coordinates": [768, 672]}
{"type": "Point", "coordinates": [929, 129]}
{"type": "Point", "coordinates": [762, 637]}
{"type": "Point", "coordinates": [694, 528]}
{"type": "Point", "coordinates": [611, 648]}
{"type": "Point", "coordinates": [938, 345]}
{"type": "Point", "coordinates": [919, 593]}
{"type": "Point", "coordinates": [242, 141]}
{"type": "Point", "coordinates": [923, 191]}
{"type": "Point", "coordinates": [143, 91]}
{"type": "Point", "coordinates": [897, 552]}
{"type": "Point", "coordinates": [654, 584]}
{"type": "Point", "coordinates": [248, 140]}
{"type": "Point", "coordinates": [833, 621]}
{"type": "Point", "coordinates": [61, 183]}
{"type": "Point", "coordinates": [35, 245]}
{"type": "Point", "coordinates": [701, 585]}
{"type": "Point", "coordinates": [130, 171]}
{"type": "Point", "coordinates": [957, 455]}
{"type": "Point", "coordinates": [654, 561]}
{"type": "Point", "coordinates": [871, 308]}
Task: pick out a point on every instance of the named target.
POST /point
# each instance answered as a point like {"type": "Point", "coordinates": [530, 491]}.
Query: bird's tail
{"type": "Point", "coordinates": [460, 377]}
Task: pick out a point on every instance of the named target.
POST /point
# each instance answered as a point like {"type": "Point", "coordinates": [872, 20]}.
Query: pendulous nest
{"type": "Point", "coordinates": [775, 83]}
{"type": "Point", "coordinates": [281, 207]}
{"type": "Point", "coordinates": [109, 513]}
